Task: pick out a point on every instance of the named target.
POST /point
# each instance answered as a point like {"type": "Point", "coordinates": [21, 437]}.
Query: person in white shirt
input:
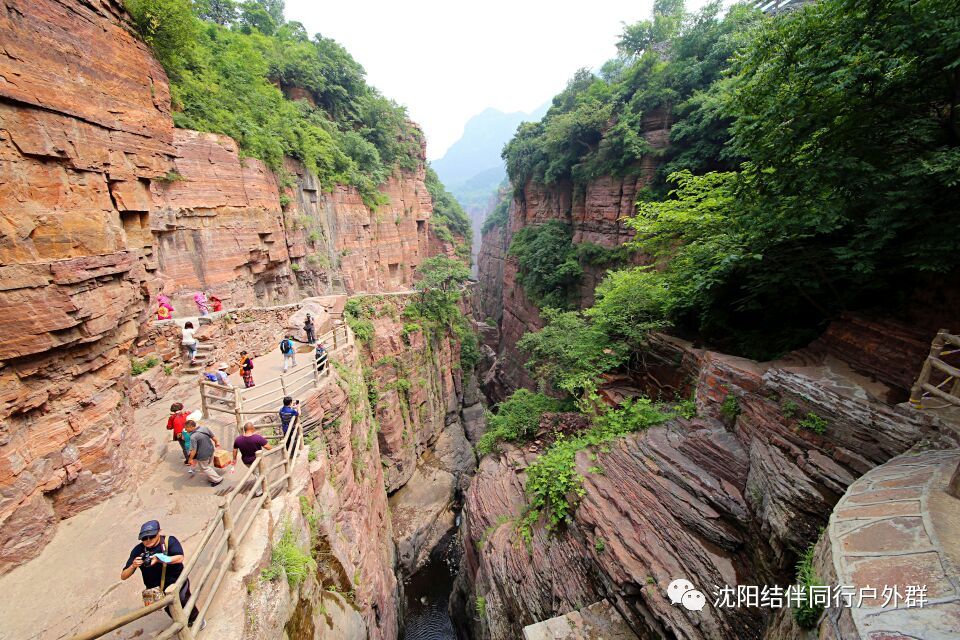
{"type": "Point", "coordinates": [189, 341]}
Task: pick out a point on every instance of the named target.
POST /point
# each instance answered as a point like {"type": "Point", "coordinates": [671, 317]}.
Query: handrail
{"type": "Point", "coordinates": [233, 519]}
{"type": "Point", "coordinates": [923, 387]}
{"type": "Point", "coordinates": [224, 547]}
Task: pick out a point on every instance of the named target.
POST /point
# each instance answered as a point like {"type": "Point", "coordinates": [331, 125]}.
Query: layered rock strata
{"type": "Point", "coordinates": [595, 212]}
{"type": "Point", "coordinates": [78, 151]}
{"type": "Point", "coordinates": [730, 497]}
{"type": "Point", "coordinates": [105, 205]}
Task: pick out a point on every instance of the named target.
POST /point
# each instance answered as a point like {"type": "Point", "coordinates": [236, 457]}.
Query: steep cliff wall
{"type": "Point", "coordinates": [417, 389]}
{"type": "Point", "coordinates": [726, 498]}
{"type": "Point", "coordinates": [595, 212]}
{"type": "Point", "coordinates": [104, 205]}
{"type": "Point", "coordinates": [77, 153]}
{"type": "Point", "coordinates": [228, 226]}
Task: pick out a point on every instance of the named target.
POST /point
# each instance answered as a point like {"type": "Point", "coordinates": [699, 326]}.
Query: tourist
{"type": "Point", "coordinates": [216, 303]}
{"type": "Point", "coordinates": [164, 308]}
{"type": "Point", "coordinates": [189, 341]}
{"type": "Point", "coordinates": [160, 560]}
{"type": "Point", "coordinates": [247, 446]}
{"type": "Point", "coordinates": [223, 378]}
{"type": "Point", "coordinates": [287, 414]}
{"type": "Point", "coordinates": [175, 423]}
{"type": "Point", "coordinates": [321, 357]}
{"type": "Point", "coordinates": [289, 353]}
{"type": "Point", "coordinates": [309, 327]}
{"type": "Point", "coordinates": [203, 444]}
{"type": "Point", "coordinates": [201, 301]}
{"type": "Point", "coordinates": [246, 369]}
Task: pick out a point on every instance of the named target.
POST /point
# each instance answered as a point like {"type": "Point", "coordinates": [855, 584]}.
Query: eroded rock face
{"type": "Point", "coordinates": [595, 212]}
{"type": "Point", "coordinates": [417, 383]}
{"type": "Point", "coordinates": [350, 504]}
{"type": "Point", "coordinates": [726, 498]}
{"type": "Point", "coordinates": [105, 205]}
{"type": "Point", "coordinates": [77, 153]}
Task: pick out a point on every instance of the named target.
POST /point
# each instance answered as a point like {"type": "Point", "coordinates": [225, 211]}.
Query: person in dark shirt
{"type": "Point", "coordinates": [310, 329]}
{"type": "Point", "coordinates": [321, 357]}
{"type": "Point", "coordinates": [157, 573]}
{"type": "Point", "coordinates": [247, 446]}
{"type": "Point", "coordinates": [287, 414]}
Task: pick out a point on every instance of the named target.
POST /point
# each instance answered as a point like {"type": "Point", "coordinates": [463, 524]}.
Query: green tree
{"type": "Point", "coordinates": [549, 270]}
{"type": "Point", "coordinates": [439, 289]}
{"type": "Point", "coordinates": [570, 353]}
{"type": "Point", "coordinates": [222, 12]}
{"type": "Point", "coordinates": [629, 305]}
{"type": "Point", "coordinates": [170, 28]}
{"type": "Point", "coordinates": [639, 37]}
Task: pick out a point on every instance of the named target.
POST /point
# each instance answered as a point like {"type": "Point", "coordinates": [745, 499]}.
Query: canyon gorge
{"type": "Point", "coordinates": [407, 512]}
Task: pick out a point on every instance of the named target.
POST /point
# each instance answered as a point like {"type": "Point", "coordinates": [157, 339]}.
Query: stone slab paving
{"type": "Point", "coordinates": [894, 528]}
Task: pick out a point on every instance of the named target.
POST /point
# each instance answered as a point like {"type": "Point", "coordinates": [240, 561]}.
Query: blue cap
{"type": "Point", "coordinates": [149, 529]}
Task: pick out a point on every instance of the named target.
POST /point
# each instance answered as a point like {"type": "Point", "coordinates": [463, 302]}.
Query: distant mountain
{"type": "Point", "coordinates": [472, 168]}
{"type": "Point", "coordinates": [479, 148]}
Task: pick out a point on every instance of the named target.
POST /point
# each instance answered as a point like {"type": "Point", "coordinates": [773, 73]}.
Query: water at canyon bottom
{"type": "Point", "coordinates": [427, 594]}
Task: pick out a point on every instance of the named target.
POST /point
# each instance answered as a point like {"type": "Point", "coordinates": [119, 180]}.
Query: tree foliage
{"type": "Point", "coordinates": [814, 157]}
{"type": "Point", "coordinates": [226, 61]}
{"type": "Point", "coordinates": [449, 221]}
{"type": "Point", "coordinates": [549, 270]}
{"type": "Point", "coordinates": [570, 353]}
{"type": "Point", "coordinates": [517, 419]}
{"type": "Point", "coordinates": [598, 124]}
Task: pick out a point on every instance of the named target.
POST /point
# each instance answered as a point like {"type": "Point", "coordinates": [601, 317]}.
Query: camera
{"type": "Point", "coordinates": [146, 556]}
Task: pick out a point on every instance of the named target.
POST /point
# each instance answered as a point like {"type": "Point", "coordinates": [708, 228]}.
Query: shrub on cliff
{"type": "Point", "coordinates": [517, 419]}
{"type": "Point", "coordinates": [226, 74]}
{"type": "Point", "coordinates": [549, 270]}
{"type": "Point", "coordinates": [449, 216]}
{"type": "Point", "coordinates": [570, 353]}
{"type": "Point", "coordinates": [553, 485]}
{"type": "Point", "coordinates": [497, 217]}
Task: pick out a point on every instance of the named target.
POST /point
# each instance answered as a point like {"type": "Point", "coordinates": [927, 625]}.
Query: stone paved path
{"type": "Point", "coordinates": [895, 527]}
{"type": "Point", "coordinates": [74, 583]}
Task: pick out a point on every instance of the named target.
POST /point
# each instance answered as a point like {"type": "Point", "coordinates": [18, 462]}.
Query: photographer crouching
{"type": "Point", "coordinates": [160, 560]}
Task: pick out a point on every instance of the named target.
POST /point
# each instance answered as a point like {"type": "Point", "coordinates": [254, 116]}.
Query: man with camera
{"type": "Point", "coordinates": [160, 560]}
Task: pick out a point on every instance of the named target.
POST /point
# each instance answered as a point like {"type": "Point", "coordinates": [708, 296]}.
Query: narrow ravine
{"type": "Point", "coordinates": [426, 614]}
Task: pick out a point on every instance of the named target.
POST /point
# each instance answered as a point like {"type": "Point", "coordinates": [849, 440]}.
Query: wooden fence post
{"type": "Point", "coordinates": [264, 478]}
{"type": "Point", "coordinates": [288, 442]}
{"type": "Point", "coordinates": [238, 409]}
{"type": "Point", "coordinates": [179, 615]}
{"type": "Point", "coordinates": [916, 393]}
{"type": "Point", "coordinates": [228, 528]}
{"type": "Point", "coordinates": [203, 401]}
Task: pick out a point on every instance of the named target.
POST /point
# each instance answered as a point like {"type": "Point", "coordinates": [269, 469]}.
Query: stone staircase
{"type": "Point", "coordinates": [204, 353]}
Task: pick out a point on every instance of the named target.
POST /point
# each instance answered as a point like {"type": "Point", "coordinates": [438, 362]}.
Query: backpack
{"type": "Point", "coordinates": [211, 377]}
{"type": "Point", "coordinates": [286, 347]}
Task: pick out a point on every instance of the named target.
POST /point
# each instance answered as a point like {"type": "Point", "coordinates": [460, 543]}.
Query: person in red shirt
{"type": "Point", "coordinates": [175, 423]}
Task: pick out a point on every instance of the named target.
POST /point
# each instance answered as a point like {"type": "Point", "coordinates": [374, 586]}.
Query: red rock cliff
{"type": "Point", "coordinates": [717, 499]}
{"type": "Point", "coordinates": [78, 151]}
{"type": "Point", "coordinates": [105, 204]}
{"type": "Point", "coordinates": [594, 211]}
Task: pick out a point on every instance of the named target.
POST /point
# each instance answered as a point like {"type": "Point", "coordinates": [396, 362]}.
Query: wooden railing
{"type": "Point", "coordinates": [217, 551]}
{"type": "Point", "coordinates": [934, 369]}
{"type": "Point", "coordinates": [264, 399]}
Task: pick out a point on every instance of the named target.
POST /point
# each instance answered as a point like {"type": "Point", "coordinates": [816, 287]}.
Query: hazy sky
{"type": "Point", "coordinates": [447, 60]}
